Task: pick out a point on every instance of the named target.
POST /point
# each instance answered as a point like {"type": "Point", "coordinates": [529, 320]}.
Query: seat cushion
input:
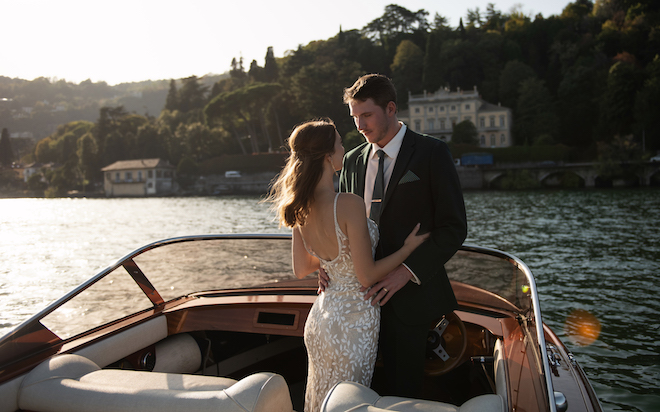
{"type": "Point", "coordinates": [74, 383]}
{"type": "Point", "coordinates": [353, 397]}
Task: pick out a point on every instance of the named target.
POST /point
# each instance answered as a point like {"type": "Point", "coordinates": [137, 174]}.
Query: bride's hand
{"type": "Point", "coordinates": [413, 240]}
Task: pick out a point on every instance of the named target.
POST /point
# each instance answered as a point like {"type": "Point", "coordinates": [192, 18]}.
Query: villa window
{"type": "Point", "coordinates": [431, 109]}
{"type": "Point", "coordinates": [416, 109]}
{"type": "Point", "coordinates": [483, 140]}
{"type": "Point", "coordinates": [159, 174]}
{"type": "Point", "coordinates": [442, 108]}
{"type": "Point", "coordinates": [502, 139]}
{"type": "Point", "coordinates": [418, 125]}
{"type": "Point", "coordinates": [467, 107]}
{"type": "Point", "coordinates": [117, 177]}
{"type": "Point", "coordinates": [492, 140]}
{"type": "Point", "coordinates": [492, 121]}
{"type": "Point", "coordinates": [129, 176]}
{"type": "Point", "coordinates": [453, 108]}
{"type": "Point", "coordinates": [150, 174]}
{"type": "Point", "coordinates": [140, 176]}
{"type": "Point", "coordinates": [482, 122]}
{"type": "Point", "coordinates": [442, 124]}
{"type": "Point", "coordinates": [501, 121]}
{"type": "Point", "coordinates": [431, 124]}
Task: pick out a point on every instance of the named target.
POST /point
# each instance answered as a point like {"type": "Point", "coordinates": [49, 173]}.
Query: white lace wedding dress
{"type": "Point", "coordinates": [341, 333]}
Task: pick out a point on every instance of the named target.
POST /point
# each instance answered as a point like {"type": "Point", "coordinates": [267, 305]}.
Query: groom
{"type": "Point", "coordinates": [419, 183]}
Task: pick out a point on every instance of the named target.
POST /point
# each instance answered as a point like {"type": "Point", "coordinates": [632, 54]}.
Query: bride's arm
{"type": "Point", "coordinates": [303, 262]}
{"type": "Point", "coordinates": [353, 216]}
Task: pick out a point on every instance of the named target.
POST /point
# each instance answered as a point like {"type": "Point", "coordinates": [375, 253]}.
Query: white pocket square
{"type": "Point", "coordinates": [408, 177]}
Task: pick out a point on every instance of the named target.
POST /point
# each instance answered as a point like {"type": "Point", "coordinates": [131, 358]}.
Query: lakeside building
{"type": "Point", "coordinates": [437, 113]}
{"type": "Point", "coordinates": [141, 177]}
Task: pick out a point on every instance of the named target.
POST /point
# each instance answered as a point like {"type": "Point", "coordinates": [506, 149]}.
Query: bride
{"type": "Point", "coordinates": [331, 231]}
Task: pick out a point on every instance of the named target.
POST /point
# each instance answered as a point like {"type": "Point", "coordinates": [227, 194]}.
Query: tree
{"type": "Point", "coordinates": [536, 119]}
{"type": "Point", "coordinates": [394, 21]}
{"type": "Point", "coordinates": [474, 18]}
{"type": "Point", "coordinates": [192, 95]}
{"type": "Point", "coordinates": [256, 72]}
{"type": "Point", "coordinates": [271, 71]}
{"type": "Point", "coordinates": [647, 101]}
{"type": "Point", "coordinates": [514, 73]}
{"type": "Point", "coordinates": [465, 132]}
{"type": "Point", "coordinates": [407, 70]}
{"type": "Point", "coordinates": [461, 67]}
{"type": "Point", "coordinates": [618, 102]}
{"type": "Point", "coordinates": [577, 104]}
{"type": "Point", "coordinates": [6, 152]}
{"type": "Point", "coordinates": [88, 163]}
{"type": "Point", "coordinates": [187, 172]}
{"type": "Point", "coordinates": [172, 100]}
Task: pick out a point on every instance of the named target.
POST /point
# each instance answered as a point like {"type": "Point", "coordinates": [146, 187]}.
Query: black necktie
{"type": "Point", "coordinates": [379, 188]}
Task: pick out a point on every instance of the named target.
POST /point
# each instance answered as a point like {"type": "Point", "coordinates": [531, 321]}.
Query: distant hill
{"type": "Point", "coordinates": [36, 107]}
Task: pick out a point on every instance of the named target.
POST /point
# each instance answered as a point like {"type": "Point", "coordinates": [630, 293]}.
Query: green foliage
{"type": "Point", "coordinates": [407, 70]}
{"type": "Point", "coordinates": [536, 121]}
{"type": "Point", "coordinates": [352, 140]}
{"type": "Point", "coordinates": [621, 158]}
{"type": "Point", "coordinates": [6, 152]}
{"type": "Point", "coordinates": [584, 76]}
{"type": "Point", "coordinates": [647, 102]}
{"type": "Point", "coordinates": [511, 78]}
{"type": "Point", "coordinates": [518, 180]}
{"type": "Point", "coordinates": [623, 82]}
{"type": "Point", "coordinates": [36, 183]}
{"type": "Point", "coordinates": [465, 133]}
{"type": "Point", "coordinates": [187, 172]}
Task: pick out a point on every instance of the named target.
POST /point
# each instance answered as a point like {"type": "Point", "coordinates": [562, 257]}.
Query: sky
{"type": "Point", "coordinates": [134, 40]}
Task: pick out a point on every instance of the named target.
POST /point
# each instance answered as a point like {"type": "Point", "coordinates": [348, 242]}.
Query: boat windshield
{"type": "Point", "coordinates": [174, 268]}
{"type": "Point", "coordinates": [183, 266]}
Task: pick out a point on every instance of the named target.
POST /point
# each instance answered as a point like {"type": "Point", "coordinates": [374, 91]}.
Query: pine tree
{"type": "Point", "coordinates": [172, 101]}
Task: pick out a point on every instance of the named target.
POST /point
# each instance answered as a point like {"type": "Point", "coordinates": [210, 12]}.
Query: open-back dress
{"type": "Point", "coordinates": [341, 332]}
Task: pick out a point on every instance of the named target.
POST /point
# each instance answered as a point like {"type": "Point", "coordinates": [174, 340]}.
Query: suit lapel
{"type": "Point", "coordinates": [363, 160]}
{"type": "Point", "coordinates": [401, 165]}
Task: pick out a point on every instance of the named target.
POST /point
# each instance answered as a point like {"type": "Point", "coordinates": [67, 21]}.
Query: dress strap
{"type": "Point", "coordinates": [340, 234]}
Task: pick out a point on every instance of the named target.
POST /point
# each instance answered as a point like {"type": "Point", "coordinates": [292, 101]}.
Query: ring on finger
{"type": "Point", "coordinates": [386, 290]}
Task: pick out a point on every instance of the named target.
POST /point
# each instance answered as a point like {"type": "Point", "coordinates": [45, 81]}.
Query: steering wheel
{"type": "Point", "coordinates": [445, 345]}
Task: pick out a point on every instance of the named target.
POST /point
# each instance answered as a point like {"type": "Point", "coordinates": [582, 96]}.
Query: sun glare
{"type": "Point", "coordinates": [582, 327]}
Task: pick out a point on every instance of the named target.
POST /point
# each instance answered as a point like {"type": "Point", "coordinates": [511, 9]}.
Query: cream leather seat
{"type": "Point", "coordinates": [75, 383]}
{"type": "Point", "coordinates": [353, 397]}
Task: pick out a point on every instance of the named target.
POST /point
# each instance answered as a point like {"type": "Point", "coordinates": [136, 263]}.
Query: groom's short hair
{"type": "Point", "coordinates": [375, 86]}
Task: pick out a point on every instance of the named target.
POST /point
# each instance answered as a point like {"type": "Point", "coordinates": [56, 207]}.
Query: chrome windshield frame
{"type": "Point", "coordinates": [540, 336]}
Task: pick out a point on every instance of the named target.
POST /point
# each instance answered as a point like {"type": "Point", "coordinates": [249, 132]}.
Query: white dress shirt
{"type": "Point", "coordinates": [391, 152]}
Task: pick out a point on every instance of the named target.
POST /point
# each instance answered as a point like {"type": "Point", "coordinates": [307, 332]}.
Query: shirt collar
{"type": "Point", "coordinates": [392, 148]}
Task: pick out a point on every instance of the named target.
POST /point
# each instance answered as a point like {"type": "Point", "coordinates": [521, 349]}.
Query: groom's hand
{"type": "Point", "coordinates": [383, 290]}
{"type": "Point", "coordinates": [324, 280]}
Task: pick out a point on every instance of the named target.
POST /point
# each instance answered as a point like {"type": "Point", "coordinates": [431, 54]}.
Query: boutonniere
{"type": "Point", "coordinates": [408, 177]}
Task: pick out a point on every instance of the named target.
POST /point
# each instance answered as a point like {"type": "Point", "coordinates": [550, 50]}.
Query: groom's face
{"type": "Point", "coordinates": [372, 121]}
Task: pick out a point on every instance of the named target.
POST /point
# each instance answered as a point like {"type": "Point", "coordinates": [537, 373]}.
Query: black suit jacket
{"type": "Point", "coordinates": [424, 188]}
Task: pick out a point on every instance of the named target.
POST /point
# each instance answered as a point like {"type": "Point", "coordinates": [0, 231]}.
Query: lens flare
{"type": "Point", "coordinates": [582, 327]}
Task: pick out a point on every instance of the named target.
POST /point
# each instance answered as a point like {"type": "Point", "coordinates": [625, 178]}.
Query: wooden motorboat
{"type": "Point", "coordinates": [216, 323]}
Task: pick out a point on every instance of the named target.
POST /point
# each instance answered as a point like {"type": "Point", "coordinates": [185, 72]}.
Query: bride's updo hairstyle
{"type": "Point", "coordinates": [293, 190]}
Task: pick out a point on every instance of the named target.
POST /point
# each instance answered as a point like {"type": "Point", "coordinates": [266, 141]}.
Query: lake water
{"type": "Point", "coordinates": [596, 251]}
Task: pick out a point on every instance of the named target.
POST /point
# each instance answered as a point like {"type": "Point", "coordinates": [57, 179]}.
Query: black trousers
{"type": "Point", "coordinates": [403, 347]}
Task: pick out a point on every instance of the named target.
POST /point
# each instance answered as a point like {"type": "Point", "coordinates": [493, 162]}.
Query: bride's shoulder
{"type": "Point", "coordinates": [350, 201]}
{"type": "Point", "coordinates": [350, 206]}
